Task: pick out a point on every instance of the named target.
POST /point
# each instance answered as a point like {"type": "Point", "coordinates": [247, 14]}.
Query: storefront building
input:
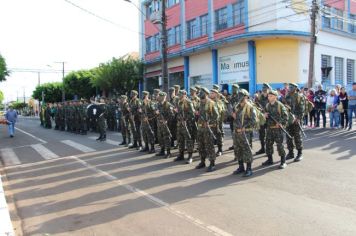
{"type": "Point", "coordinates": [248, 42]}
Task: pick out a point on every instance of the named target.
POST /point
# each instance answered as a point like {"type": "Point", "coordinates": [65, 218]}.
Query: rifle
{"type": "Point", "coordinates": [299, 125]}
{"type": "Point", "coordinates": [245, 137]}
{"type": "Point", "coordinates": [165, 126]}
{"type": "Point", "coordinates": [209, 129]}
{"type": "Point", "coordinates": [184, 123]}
{"type": "Point", "coordinates": [133, 123]}
{"type": "Point", "coordinates": [148, 123]}
{"type": "Point", "coordinates": [280, 125]}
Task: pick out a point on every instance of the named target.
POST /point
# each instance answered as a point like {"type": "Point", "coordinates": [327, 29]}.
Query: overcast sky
{"type": "Point", "coordinates": [37, 33]}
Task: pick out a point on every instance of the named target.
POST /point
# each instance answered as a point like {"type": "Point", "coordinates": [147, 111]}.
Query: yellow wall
{"type": "Point", "coordinates": [277, 60]}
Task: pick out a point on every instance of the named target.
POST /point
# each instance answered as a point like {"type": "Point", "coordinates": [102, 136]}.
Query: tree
{"type": "Point", "coordinates": [19, 105]}
{"type": "Point", "coordinates": [3, 69]}
{"type": "Point", "coordinates": [79, 83]}
{"type": "Point", "coordinates": [52, 92]}
{"type": "Point", "coordinates": [119, 75]}
{"type": "Point", "coordinates": [1, 97]}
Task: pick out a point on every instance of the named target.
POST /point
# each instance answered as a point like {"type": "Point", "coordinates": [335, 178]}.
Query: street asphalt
{"type": "Point", "coordinates": [65, 184]}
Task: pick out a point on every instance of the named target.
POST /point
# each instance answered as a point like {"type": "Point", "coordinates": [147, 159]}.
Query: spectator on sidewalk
{"type": "Point", "coordinates": [352, 104]}
{"type": "Point", "coordinates": [332, 102]}
{"type": "Point", "coordinates": [320, 105]}
{"type": "Point", "coordinates": [11, 118]}
{"type": "Point", "coordinates": [345, 103]}
{"type": "Point", "coordinates": [312, 115]}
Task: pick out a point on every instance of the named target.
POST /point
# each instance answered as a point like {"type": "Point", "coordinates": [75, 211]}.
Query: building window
{"type": "Point", "coordinates": [192, 29]}
{"type": "Point", "coordinates": [338, 19]}
{"type": "Point", "coordinates": [177, 34]}
{"type": "Point", "coordinates": [352, 23]}
{"type": "Point", "coordinates": [174, 36]}
{"type": "Point", "coordinates": [170, 3]}
{"type": "Point", "coordinates": [221, 19]}
{"type": "Point", "coordinates": [339, 70]}
{"type": "Point", "coordinates": [326, 20]}
{"type": "Point", "coordinates": [325, 63]}
{"type": "Point", "coordinates": [204, 25]}
{"type": "Point", "coordinates": [238, 12]}
{"type": "Point", "coordinates": [157, 42]}
{"type": "Point", "coordinates": [350, 70]}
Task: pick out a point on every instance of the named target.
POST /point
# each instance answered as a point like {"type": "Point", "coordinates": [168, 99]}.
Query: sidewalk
{"type": "Point", "coordinates": [6, 228]}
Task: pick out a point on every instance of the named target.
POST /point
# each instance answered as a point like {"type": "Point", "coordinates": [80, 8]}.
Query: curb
{"type": "Point", "coordinates": [5, 222]}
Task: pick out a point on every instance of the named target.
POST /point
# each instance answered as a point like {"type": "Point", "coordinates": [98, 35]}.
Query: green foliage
{"type": "Point", "coordinates": [79, 83]}
{"type": "Point", "coordinates": [1, 97]}
{"type": "Point", "coordinates": [18, 105]}
{"type": "Point", "coordinates": [3, 69]}
{"type": "Point", "coordinates": [52, 92]}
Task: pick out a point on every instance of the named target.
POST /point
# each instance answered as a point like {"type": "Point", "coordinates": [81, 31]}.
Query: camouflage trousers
{"type": "Point", "coordinates": [219, 133]}
{"type": "Point", "coordinates": [125, 131]}
{"type": "Point", "coordinates": [183, 139]}
{"type": "Point", "coordinates": [84, 124]}
{"type": "Point", "coordinates": [296, 134]}
{"type": "Point", "coordinates": [148, 134]}
{"type": "Point", "coordinates": [136, 129]}
{"type": "Point", "coordinates": [163, 136]}
{"type": "Point", "coordinates": [262, 133]}
{"type": "Point", "coordinates": [249, 137]}
{"type": "Point", "coordinates": [275, 136]}
{"type": "Point", "coordinates": [102, 126]}
{"type": "Point", "coordinates": [206, 144]}
{"type": "Point", "coordinates": [241, 150]}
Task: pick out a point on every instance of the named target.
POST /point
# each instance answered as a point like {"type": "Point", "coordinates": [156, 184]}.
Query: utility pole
{"type": "Point", "coordinates": [314, 13]}
{"type": "Point", "coordinates": [39, 78]}
{"type": "Point", "coordinates": [164, 39]}
{"type": "Point", "coordinates": [63, 92]}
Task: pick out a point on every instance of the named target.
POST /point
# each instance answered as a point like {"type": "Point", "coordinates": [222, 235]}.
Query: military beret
{"type": "Point", "coordinates": [273, 92]}
{"type": "Point", "coordinates": [123, 97]}
{"type": "Point", "coordinates": [193, 89]}
{"type": "Point", "coordinates": [156, 90]}
{"type": "Point", "coordinates": [145, 93]}
{"type": "Point", "coordinates": [214, 91]}
{"type": "Point", "coordinates": [176, 86]}
{"type": "Point", "coordinates": [162, 94]}
{"type": "Point", "coordinates": [266, 85]}
{"type": "Point", "coordinates": [171, 89]}
{"type": "Point", "coordinates": [134, 92]}
{"type": "Point", "coordinates": [182, 92]}
{"type": "Point", "coordinates": [244, 92]}
{"type": "Point", "coordinates": [197, 87]}
{"type": "Point", "coordinates": [216, 86]}
{"type": "Point", "coordinates": [235, 86]}
{"type": "Point", "coordinates": [205, 90]}
{"type": "Point", "coordinates": [294, 85]}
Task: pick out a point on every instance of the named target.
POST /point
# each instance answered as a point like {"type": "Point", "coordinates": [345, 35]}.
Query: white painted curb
{"type": "Point", "coordinates": [6, 228]}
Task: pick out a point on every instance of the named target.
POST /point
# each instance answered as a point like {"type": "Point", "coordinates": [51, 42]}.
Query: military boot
{"type": "Point", "coordinates": [262, 150]}
{"type": "Point", "coordinates": [219, 152]}
{"type": "Point", "coordinates": [299, 156]}
{"type": "Point", "coordinates": [201, 165]}
{"type": "Point", "coordinates": [99, 138]}
{"type": "Point", "coordinates": [190, 158]}
{"type": "Point", "coordinates": [269, 161]}
{"type": "Point", "coordinates": [290, 155]}
{"type": "Point", "coordinates": [123, 141]}
{"type": "Point", "coordinates": [139, 147]}
{"type": "Point", "coordinates": [168, 154]}
{"type": "Point", "coordinates": [103, 138]}
{"type": "Point", "coordinates": [211, 167]}
{"type": "Point", "coordinates": [146, 149]}
{"type": "Point", "coordinates": [239, 170]}
{"type": "Point", "coordinates": [128, 144]}
{"type": "Point", "coordinates": [283, 164]}
{"type": "Point", "coordinates": [180, 157]}
{"type": "Point", "coordinates": [134, 144]}
{"type": "Point", "coordinates": [248, 172]}
{"type": "Point", "coordinates": [161, 153]}
{"type": "Point", "coordinates": [231, 148]}
{"type": "Point", "coordinates": [152, 150]}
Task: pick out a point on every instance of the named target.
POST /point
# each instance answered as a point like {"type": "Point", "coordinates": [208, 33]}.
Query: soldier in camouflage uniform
{"type": "Point", "coordinates": [262, 101]}
{"type": "Point", "coordinates": [48, 114]}
{"type": "Point", "coordinates": [154, 101]}
{"type": "Point", "coordinates": [135, 120]}
{"type": "Point", "coordinates": [111, 115]}
{"type": "Point", "coordinates": [125, 121]}
{"type": "Point", "coordinates": [277, 117]}
{"type": "Point", "coordinates": [234, 100]}
{"type": "Point", "coordinates": [164, 112]}
{"type": "Point", "coordinates": [83, 117]}
{"type": "Point", "coordinates": [218, 131]}
{"type": "Point", "coordinates": [76, 117]}
{"type": "Point", "coordinates": [147, 111]}
{"type": "Point", "coordinates": [61, 116]}
{"type": "Point", "coordinates": [173, 99]}
{"type": "Point", "coordinates": [296, 103]}
{"type": "Point", "coordinates": [185, 126]}
{"type": "Point", "coordinates": [102, 125]}
{"type": "Point", "coordinates": [56, 116]}
{"type": "Point", "coordinates": [244, 120]}
{"type": "Point", "coordinates": [196, 104]}
{"type": "Point", "coordinates": [208, 119]}
{"type": "Point", "coordinates": [92, 120]}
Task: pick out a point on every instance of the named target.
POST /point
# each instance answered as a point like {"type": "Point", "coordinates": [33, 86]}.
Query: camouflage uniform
{"type": "Point", "coordinates": [135, 120]}
{"type": "Point", "coordinates": [165, 110]}
{"type": "Point", "coordinates": [196, 105]}
{"type": "Point", "coordinates": [56, 116]}
{"type": "Point", "coordinates": [147, 120]}
{"type": "Point", "coordinates": [83, 118]}
{"type": "Point", "coordinates": [48, 114]}
{"type": "Point", "coordinates": [173, 121]}
{"type": "Point", "coordinates": [111, 116]}
{"type": "Point", "coordinates": [278, 112]}
{"type": "Point", "coordinates": [244, 123]}
{"type": "Point", "coordinates": [234, 100]}
{"type": "Point", "coordinates": [297, 107]}
{"type": "Point", "coordinates": [102, 125]}
{"type": "Point", "coordinates": [185, 126]}
{"type": "Point", "coordinates": [125, 121]}
{"type": "Point", "coordinates": [208, 119]}
{"type": "Point", "coordinates": [155, 102]}
{"type": "Point", "coordinates": [262, 102]}
{"type": "Point", "coordinates": [219, 129]}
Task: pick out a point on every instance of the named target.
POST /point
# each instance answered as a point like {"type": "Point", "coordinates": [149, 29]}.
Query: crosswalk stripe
{"type": "Point", "coordinates": [109, 141]}
{"type": "Point", "coordinates": [78, 146]}
{"type": "Point", "coordinates": [44, 152]}
{"type": "Point", "coordinates": [9, 157]}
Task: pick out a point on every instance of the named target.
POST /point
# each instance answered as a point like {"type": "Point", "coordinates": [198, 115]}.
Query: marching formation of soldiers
{"type": "Point", "coordinates": [193, 123]}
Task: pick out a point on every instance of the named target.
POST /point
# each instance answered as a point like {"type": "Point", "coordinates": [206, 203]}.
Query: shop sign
{"type": "Point", "coordinates": [234, 69]}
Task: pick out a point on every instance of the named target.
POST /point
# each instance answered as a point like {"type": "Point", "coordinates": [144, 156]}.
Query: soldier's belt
{"type": "Point", "coordinates": [241, 130]}
{"type": "Point", "coordinates": [202, 125]}
{"type": "Point", "coordinates": [274, 127]}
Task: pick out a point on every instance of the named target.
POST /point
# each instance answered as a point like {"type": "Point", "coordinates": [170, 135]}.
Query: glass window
{"type": "Point", "coordinates": [177, 34]}
{"type": "Point", "coordinates": [339, 70]}
{"type": "Point", "coordinates": [148, 45]}
{"type": "Point", "coordinates": [352, 23]}
{"type": "Point", "coordinates": [170, 3]}
{"type": "Point", "coordinates": [325, 62]}
{"type": "Point", "coordinates": [157, 42]}
{"type": "Point", "coordinates": [238, 12]}
{"type": "Point", "coordinates": [338, 22]}
{"type": "Point", "coordinates": [192, 29]}
{"type": "Point", "coordinates": [350, 70]}
{"type": "Point", "coordinates": [204, 25]}
{"type": "Point", "coordinates": [221, 19]}
{"type": "Point", "coordinates": [171, 37]}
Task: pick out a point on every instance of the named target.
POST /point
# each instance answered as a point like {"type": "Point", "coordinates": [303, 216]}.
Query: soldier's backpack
{"type": "Point", "coordinates": [260, 117]}
{"type": "Point", "coordinates": [290, 119]}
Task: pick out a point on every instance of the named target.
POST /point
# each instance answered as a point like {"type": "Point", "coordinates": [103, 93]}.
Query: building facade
{"type": "Point", "coordinates": [248, 42]}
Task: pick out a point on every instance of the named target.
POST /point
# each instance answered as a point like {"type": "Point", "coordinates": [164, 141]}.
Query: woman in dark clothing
{"type": "Point", "coordinates": [345, 102]}
{"type": "Point", "coordinates": [312, 114]}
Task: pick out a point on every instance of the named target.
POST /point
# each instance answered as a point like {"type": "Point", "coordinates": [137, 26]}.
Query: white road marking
{"type": "Point", "coordinates": [44, 152]}
{"type": "Point", "coordinates": [9, 157]}
{"type": "Point", "coordinates": [210, 228]}
{"type": "Point", "coordinates": [6, 227]}
{"type": "Point", "coordinates": [78, 146]}
{"type": "Point", "coordinates": [109, 141]}
{"type": "Point", "coordinates": [31, 135]}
